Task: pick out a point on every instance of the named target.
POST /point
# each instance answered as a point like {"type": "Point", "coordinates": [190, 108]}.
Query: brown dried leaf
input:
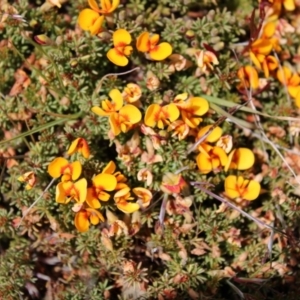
{"type": "Point", "coordinates": [21, 83]}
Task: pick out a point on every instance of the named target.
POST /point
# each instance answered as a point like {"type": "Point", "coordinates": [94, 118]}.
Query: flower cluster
{"type": "Point", "coordinates": [91, 19]}
{"type": "Point", "coordinates": [182, 118]}
{"type": "Point", "coordinates": [264, 52]}
{"type": "Point", "coordinates": [89, 194]}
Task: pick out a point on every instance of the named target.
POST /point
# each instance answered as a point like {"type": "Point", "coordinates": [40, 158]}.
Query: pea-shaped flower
{"type": "Point", "coordinates": [122, 49]}
{"type": "Point", "coordinates": [238, 187]}
{"type": "Point", "coordinates": [90, 20]}
{"type": "Point", "coordinates": [149, 44]}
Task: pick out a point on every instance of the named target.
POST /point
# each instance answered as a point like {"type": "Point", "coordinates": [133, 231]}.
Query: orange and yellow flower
{"type": "Point", "coordinates": [121, 199]}
{"type": "Point", "coordinates": [160, 116]}
{"type": "Point", "coordinates": [68, 190]}
{"type": "Point", "coordinates": [144, 196]}
{"type": "Point", "coordinates": [122, 49]}
{"type": "Point", "coordinates": [238, 187]}
{"type": "Point", "coordinates": [149, 45]}
{"type": "Point", "coordinates": [102, 183]}
{"type": "Point", "coordinates": [209, 136]}
{"type": "Point", "coordinates": [90, 20]}
{"type": "Point", "coordinates": [192, 109]}
{"type": "Point", "coordinates": [87, 216]}
{"type": "Point", "coordinates": [107, 6]}
{"type": "Point", "coordinates": [124, 120]}
{"type": "Point", "coordinates": [248, 77]}
{"type": "Point", "coordinates": [289, 79]}
{"type": "Point", "coordinates": [29, 178]}
{"type": "Point", "coordinates": [211, 160]}
{"type": "Point", "coordinates": [110, 168]}
{"type": "Point", "coordinates": [109, 107]}
{"type": "Point", "coordinates": [132, 93]}
{"type": "Point", "coordinates": [240, 159]}
{"type": "Point", "coordinates": [61, 167]}
{"type": "Point", "coordinates": [259, 50]}
{"type": "Point", "coordinates": [79, 145]}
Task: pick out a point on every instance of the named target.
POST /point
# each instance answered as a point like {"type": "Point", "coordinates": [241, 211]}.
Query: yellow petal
{"type": "Point", "coordinates": [204, 163]}
{"type": "Point", "coordinates": [132, 113]}
{"type": "Point", "coordinates": [284, 74]}
{"type": "Point", "coordinates": [262, 46]}
{"type": "Point", "coordinates": [254, 59]}
{"type": "Point", "coordinates": [95, 216]}
{"type": "Point", "coordinates": [60, 194]}
{"type": "Point", "coordinates": [81, 187]}
{"type": "Point", "coordinates": [115, 123]}
{"type": "Point", "coordinates": [109, 168]}
{"type": "Point", "coordinates": [96, 27]}
{"type": "Point", "coordinates": [114, 5]}
{"type": "Point", "coordinates": [73, 147]}
{"type": "Point", "coordinates": [76, 169]}
{"type": "Point", "coordinates": [221, 156]}
{"type": "Point", "coordinates": [92, 199]}
{"type": "Point", "coordinates": [142, 42]}
{"type": "Point", "coordinates": [154, 39]}
{"type": "Point", "coordinates": [117, 57]}
{"type": "Point", "coordinates": [151, 113]}
{"type": "Point", "coordinates": [213, 136]}
{"type": "Point", "coordinates": [161, 51]}
{"type": "Point", "coordinates": [55, 168]}
{"type": "Point", "coordinates": [90, 20]}
{"type": "Point", "coordinates": [252, 190]}
{"type": "Point", "coordinates": [289, 5]}
{"type": "Point", "coordinates": [244, 158]}
{"type": "Point", "coordinates": [100, 112]}
{"type": "Point", "coordinates": [127, 207]}
{"type": "Point", "coordinates": [172, 111]}
{"type": "Point", "coordinates": [105, 182]}
{"type": "Point", "coordinates": [252, 76]}
{"type": "Point", "coordinates": [81, 221]}
{"type": "Point", "coordinates": [231, 187]}
{"type": "Point", "coordinates": [94, 5]}
{"type": "Point", "coordinates": [121, 193]}
{"type": "Point", "coordinates": [199, 106]}
{"type": "Point", "coordinates": [108, 6]}
{"type": "Point", "coordinates": [121, 37]}
{"type": "Point", "coordinates": [117, 98]}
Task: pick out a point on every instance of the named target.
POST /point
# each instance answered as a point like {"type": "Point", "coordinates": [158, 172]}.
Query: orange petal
{"type": "Point", "coordinates": [142, 42]}
{"type": "Point", "coordinates": [115, 123]}
{"type": "Point", "coordinates": [161, 51]}
{"type": "Point", "coordinates": [94, 5]}
{"type": "Point", "coordinates": [81, 221]}
{"type": "Point", "coordinates": [204, 163]}
{"type": "Point", "coordinates": [92, 198]}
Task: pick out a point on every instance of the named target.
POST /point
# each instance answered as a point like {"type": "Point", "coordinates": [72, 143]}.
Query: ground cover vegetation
{"type": "Point", "coordinates": [149, 149]}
